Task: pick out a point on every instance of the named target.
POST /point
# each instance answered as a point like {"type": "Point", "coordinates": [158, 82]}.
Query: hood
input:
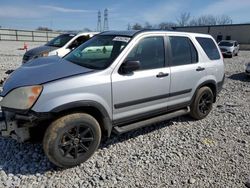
{"type": "Point", "coordinates": [42, 70]}
{"type": "Point", "coordinates": [39, 50]}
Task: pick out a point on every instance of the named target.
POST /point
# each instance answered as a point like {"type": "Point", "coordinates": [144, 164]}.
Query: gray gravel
{"type": "Point", "coordinates": [214, 152]}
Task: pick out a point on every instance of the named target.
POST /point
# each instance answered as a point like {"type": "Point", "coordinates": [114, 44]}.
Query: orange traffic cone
{"type": "Point", "coordinates": [25, 46]}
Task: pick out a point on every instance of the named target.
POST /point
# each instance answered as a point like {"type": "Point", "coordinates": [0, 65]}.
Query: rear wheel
{"type": "Point", "coordinates": [202, 104]}
{"type": "Point", "coordinates": [72, 139]}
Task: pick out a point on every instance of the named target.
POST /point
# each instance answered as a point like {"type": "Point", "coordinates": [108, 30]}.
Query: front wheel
{"type": "Point", "coordinates": [72, 139]}
{"type": "Point", "coordinates": [202, 104]}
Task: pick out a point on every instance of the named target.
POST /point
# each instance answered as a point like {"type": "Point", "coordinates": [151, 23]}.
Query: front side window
{"type": "Point", "coordinates": [98, 52]}
{"type": "Point", "coordinates": [149, 52]}
{"type": "Point", "coordinates": [209, 47]}
{"type": "Point", "coordinates": [60, 41]}
{"type": "Point", "coordinates": [78, 41]}
{"type": "Point", "coordinates": [183, 51]}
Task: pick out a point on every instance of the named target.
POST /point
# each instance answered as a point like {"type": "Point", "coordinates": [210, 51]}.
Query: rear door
{"type": "Point", "coordinates": [186, 70]}
{"type": "Point", "coordinates": [146, 90]}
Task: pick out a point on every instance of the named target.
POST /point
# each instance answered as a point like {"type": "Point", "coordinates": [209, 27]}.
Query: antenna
{"type": "Point", "coordinates": [105, 24]}
{"type": "Point", "coordinates": [99, 22]}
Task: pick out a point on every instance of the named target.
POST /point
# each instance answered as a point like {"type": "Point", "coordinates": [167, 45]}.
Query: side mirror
{"type": "Point", "coordinates": [129, 66]}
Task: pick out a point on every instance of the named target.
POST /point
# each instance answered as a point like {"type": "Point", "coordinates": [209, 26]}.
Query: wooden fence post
{"type": "Point", "coordinates": [16, 36]}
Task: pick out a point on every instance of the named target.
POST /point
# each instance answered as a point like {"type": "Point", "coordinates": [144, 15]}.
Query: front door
{"type": "Point", "coordinates": [146, 89]}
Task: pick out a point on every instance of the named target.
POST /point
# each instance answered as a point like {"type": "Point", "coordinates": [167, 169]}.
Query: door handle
{"type": "Point", "coordinates": [161, 74]}
{"type": "Point", "coordinates": [200, 69]}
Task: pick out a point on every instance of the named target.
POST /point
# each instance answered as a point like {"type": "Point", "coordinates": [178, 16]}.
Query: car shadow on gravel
{"type": "Point", "coordinates": [240, 77]}
{"type": "Point", "coordinates": [114, 139]}
{"type": "Point", "coordinates": [23, 158]}
{"type": "Point", "coordinates": [29, 159]}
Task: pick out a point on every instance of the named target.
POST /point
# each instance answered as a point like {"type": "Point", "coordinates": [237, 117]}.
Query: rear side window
{"type": "Point", "coordinates": [183, 51]}
{"type": "Point", "coordinates": [209, 47]}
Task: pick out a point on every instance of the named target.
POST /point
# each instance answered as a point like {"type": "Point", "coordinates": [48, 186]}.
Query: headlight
{"type": "Point", "coordinates": [44, 54]}
{"type": "Point", "coordinates": [22, 98]}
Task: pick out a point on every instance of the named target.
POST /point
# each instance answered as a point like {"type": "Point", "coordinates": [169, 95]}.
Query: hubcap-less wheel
{"type": "Point", "coordinates": [76, 142]}
{"type": "Point", "coordinates": [205, 103]}
{"type": "Point", "coordinates": [72, 139]}
{"type": "Point", "coordinates": [202, 104]}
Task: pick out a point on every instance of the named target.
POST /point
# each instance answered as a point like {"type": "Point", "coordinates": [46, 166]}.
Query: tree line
{"type": "Point", "coordinates": [185, 19]}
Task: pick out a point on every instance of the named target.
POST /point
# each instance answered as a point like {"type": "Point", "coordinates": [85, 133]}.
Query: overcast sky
{"type": "Point", "coordinates": [79, 14]}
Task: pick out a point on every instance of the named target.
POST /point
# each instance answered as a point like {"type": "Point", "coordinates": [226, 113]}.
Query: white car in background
{"type": "Point", "coordinates": [59, 46]}
{"type": "Point", "coordinates": [229, 47]}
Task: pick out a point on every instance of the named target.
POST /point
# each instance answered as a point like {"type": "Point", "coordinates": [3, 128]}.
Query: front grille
{"type": "Point", "coordinates": [223, 49]}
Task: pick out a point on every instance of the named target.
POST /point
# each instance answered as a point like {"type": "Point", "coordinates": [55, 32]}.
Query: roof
{"type": "Point", "coordinates": [129, 33]}
{"type": "Point", "coordinates": [228, 41]}
{"type": "Point", "coordinates": [226, 25]}
{"type": "Point", "coordinates": [133, 33]}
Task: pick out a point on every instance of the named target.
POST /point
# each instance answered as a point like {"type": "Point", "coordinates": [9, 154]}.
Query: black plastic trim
{"type": "Point", "coordinates": [220, 85]}
{"type": "Point", "coordinates": [149, 99]}
{"type": "Point", "coordinates": [78, 104]}
{"type": "Point", "coordinates": [150, 114]}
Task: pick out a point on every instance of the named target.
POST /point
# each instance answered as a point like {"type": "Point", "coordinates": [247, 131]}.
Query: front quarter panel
{"type": "Point", "coordinates": [87, 87]}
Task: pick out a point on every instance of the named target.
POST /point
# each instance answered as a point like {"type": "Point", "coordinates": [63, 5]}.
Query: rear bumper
{"type": "Point", "coordinates": [220, 85]}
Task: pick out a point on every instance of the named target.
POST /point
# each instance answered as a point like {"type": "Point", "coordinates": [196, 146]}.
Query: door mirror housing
{"type": "Point", "coordinates": [129, 67]}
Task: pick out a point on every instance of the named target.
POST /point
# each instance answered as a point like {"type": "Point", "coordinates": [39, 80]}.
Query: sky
{"type": "Point", "coordinates": [80, 14]}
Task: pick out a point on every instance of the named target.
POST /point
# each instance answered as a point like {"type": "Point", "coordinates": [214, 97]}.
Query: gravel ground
{"type": "Point", "coordinates": [214, 152]}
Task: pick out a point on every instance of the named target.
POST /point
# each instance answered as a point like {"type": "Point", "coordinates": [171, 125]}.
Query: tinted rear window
{"type": "Point", "coordinates": [209, 47]}
{"type": "Point", "coordinates": [183, 51]}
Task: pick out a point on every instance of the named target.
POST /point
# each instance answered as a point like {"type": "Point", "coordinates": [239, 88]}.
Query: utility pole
{"type": "Point", "coordinates": [99, 22]}
{"type": "Point", "coordinates": [106, 24]}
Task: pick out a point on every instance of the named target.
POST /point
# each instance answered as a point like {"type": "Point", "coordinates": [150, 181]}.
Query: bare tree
{"type": "Point", "coordinates": [129, 26]}
{"type": "Point", "coordinates": [147, 25]}
{"type": "Point", "coordinates": [43, 29]}
{"type": "Point", "coordinates": [184, 18]}
{"type": "Point", "coordinates": [87, 29]}
{"type": "Point", "coordinates": [166, 25]}
{"type": "Point", "coordinates": [224, 19]}
{"type": "Point", "coordinates": [137, 27]}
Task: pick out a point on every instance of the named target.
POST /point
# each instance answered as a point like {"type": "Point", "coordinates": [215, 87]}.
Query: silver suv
{"type": "Point", "coordinates": [115, 82]}
{"type": "Point", "coordinates": [229, 47]}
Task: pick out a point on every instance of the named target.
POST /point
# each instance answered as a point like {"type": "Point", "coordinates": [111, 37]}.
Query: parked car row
{"type": "Point", "coordinates": [59, 46]}
{"type": "Point", "coordinates": [117, 81]}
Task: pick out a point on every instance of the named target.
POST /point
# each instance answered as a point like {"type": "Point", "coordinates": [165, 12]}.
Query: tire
{"type": "Point", "coordinates": [202, 104]}
{"type": "Point", "coordinates": [71, 139]}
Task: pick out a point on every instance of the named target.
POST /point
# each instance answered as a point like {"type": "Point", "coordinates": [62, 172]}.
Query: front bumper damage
{"type": "Point", "coordinates": [9, 127]}
{"type": "Point", "coordinates": [17, 126]}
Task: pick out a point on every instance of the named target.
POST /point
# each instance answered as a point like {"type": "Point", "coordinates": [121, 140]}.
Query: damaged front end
{"type": "Point", "coordinates": [18, 126]}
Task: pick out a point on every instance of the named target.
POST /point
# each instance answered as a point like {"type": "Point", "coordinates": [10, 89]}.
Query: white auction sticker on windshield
{"type": "Point", "coordinates": [121, 39]}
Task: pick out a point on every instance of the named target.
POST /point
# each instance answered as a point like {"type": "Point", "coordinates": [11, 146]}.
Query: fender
{"type": "Point", "coordinates": [214, 89]}
{"type": "Point", "coordinates": [106, 120]}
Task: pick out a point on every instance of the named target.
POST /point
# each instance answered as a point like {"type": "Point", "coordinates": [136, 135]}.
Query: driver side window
{"type": "Point", "coordinates": [149, 52]}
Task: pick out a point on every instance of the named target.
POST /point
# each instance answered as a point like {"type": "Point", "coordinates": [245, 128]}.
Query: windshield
{"type": "Point", "coordinates": [60, 41]}
{"type": "Point", "coordinates": [98, 52]}
{"type": "Point", "coordinates": [225, 44]}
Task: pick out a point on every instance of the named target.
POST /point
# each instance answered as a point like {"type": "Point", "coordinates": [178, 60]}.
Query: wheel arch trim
{"type": "Point", "coordinates": [107, 123]}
